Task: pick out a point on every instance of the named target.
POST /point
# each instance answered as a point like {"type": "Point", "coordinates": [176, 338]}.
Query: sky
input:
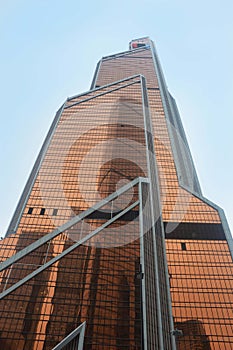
{"type": "Point", "coordinates": [49, 51]}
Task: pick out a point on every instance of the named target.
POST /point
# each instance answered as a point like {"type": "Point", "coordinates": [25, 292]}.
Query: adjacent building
{"type": "Point", "coordinates": [112, 244]}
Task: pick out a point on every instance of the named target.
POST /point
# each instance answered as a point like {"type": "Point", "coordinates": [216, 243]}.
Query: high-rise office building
{"type": "Point", "coordinates": [112, 244]}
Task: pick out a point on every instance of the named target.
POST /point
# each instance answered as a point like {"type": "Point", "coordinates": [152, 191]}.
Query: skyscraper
{"type": "Point", "coordinates": [112, 244]}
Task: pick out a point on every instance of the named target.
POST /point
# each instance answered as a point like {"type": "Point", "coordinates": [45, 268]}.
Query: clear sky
{"type": "Point", "coordinates": [49, 50]}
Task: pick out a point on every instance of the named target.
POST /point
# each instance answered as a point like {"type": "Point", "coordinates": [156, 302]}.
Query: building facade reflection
{"type": "Point", "coordinates": [163, 265]}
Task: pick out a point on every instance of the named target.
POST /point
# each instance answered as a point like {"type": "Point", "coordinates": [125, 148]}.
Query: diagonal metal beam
{"type": "Point", "coordinates": [80, 330]}
{"type": "Point", "coordinates": [103, 87]}
{"type": "Point", "coordinates": [103, 93]}
{"type": "Point", "coordinates": [65, 252]}
{"type": "Point", "coordinates": [68, 224]}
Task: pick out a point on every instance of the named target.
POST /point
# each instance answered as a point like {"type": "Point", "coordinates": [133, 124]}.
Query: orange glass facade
{"type": "Point", "coordinates": [157, 277]}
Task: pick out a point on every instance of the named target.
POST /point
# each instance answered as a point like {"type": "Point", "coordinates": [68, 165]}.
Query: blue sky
{"type": "Point", "coordinates": [49, 50]}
